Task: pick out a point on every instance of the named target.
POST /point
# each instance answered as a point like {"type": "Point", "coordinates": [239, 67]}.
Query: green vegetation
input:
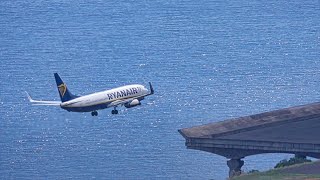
{"type": "Point", "coordinates": [292, 161]}
{"type": "Point", "coordinates": [273, 175]}
{"type": "Point", "coordinates": [253, 171]}
{"type": "Point", "coordinates": [277, 174]}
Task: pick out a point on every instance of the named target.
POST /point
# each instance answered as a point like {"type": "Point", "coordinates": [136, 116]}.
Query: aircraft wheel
{"type": "Point", "coordinates": [94, 113]}
{"type": "Point", "coordinates": [114, 112]}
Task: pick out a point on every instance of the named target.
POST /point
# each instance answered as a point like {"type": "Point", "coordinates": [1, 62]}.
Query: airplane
{"type": "Point", "coordinates": [128, 96]}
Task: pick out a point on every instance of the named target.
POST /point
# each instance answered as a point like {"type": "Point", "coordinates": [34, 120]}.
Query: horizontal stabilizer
{"type": "Point", "coordinates": [40, 104]}
{"type": "Point", "coordinates": [43, 103]}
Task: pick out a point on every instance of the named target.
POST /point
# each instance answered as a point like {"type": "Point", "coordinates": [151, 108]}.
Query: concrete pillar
{"type": "Point", "coordinates": [235, 167]}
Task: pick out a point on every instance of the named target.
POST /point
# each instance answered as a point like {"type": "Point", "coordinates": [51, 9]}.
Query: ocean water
{"type": "Point", "coordinates": [208, 61]}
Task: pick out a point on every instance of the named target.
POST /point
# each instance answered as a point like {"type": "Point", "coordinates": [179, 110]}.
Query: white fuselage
{"type": "Point", "coordinates": [107, 97]}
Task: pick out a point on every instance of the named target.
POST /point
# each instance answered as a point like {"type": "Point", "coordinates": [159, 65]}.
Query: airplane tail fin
{"type": "Point", "coordinates": [65, 94]}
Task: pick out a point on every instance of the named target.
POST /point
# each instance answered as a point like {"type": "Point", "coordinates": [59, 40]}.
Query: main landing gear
{"type": "Point", "coordinates": [115, 111]}
{"type": "Point", "coordinates": [94, 113]}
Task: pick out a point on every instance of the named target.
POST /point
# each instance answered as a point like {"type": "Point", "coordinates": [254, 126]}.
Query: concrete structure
{"type": "Point", "coordinates": [294, 130]}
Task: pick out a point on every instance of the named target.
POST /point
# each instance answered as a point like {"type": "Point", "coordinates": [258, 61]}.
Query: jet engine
{"type": "Point", "coordinates": [133, 103]}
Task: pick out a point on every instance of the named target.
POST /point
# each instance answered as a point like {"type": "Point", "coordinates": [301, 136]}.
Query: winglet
{"type": "Point", "coordinates": [29, 97]}
{"type": "Point", "coordinates": [151, 88]}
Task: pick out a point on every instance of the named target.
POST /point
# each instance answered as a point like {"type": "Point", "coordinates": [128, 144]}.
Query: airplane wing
{"type": "Point", "coordinates": [43, 103]}
{"type": "Point", "coordinates": [124, 101]}
{"type": "Point", "coordinates": [121, 102]}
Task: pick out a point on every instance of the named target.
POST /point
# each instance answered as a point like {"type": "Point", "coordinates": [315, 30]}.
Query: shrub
{"type": "Point", "coordinates": [292, 161]}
